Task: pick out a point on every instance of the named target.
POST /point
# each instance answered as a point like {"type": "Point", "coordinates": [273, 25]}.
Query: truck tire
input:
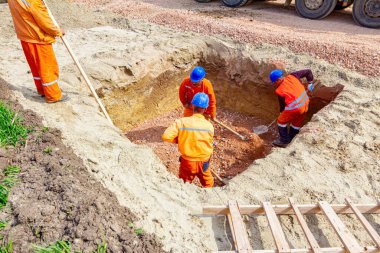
{"type": "Point", "coordinates": [341, 5]}
{"type": "Point", "coordinates": [315, 9]}
{"type": "Point", "coordinates": [203, 1]}
{"type": "Point", "coordinates": [235, 3]}
{"type": "Point", "coordinates": [367, 13]}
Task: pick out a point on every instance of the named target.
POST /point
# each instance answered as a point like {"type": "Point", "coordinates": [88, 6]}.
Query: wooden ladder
{"type": "Point", "coordinates": [234, 213]}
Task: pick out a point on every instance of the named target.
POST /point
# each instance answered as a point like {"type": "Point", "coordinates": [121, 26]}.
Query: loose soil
{"type": "Point", "coordinates": [336, 155]}
{"type": "Point", "coordinates": [231, 154]}
{"type": "Point", "coordinates": [336, 38]}
{"type": "Point", "coordinates": [58, 199]}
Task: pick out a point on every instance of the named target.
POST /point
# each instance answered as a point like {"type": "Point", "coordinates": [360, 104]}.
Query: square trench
{"type": "Point", "coordinates": [144, 108]}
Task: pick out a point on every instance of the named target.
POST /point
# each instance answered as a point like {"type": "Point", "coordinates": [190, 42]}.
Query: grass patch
{"type": "Point", "coordinates": [48, 150]}
{"type": "Point", "coordinates": [139, 231]}
{"type": "Point", "coordinates": [6, 248]}
{"type": "Point", "coordinates": [12, 131]}
{"type": "Point", "coordinates": [65, 247]}
{"type": "Point", "coordinates": [9, 180]}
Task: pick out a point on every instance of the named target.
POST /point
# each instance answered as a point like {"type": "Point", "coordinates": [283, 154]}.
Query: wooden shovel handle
{"type": "Point", "coordinates": [217, 176]}
{"type": "Point", "coordinates": [230, 129]}
{"type": "Point", "coordinates": [87, 80]}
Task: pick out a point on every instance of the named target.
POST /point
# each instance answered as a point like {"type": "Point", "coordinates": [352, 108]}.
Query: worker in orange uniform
{"type": "Point", "coordinates": [294, 102]}
{"type": "Point", "coordinates": [37, 31]}
{"type": "Point", "coordinates": [194, 136]}
{"type": "Point", "coordinates": [193, 84]}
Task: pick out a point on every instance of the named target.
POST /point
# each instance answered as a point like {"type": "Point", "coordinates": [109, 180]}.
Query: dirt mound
{"type": "Point", "coordinates": [58, 199]}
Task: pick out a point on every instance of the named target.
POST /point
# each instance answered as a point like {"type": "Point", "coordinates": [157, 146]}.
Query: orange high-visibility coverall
{"type": "Point", "coordinates": [37, 31]}
{"type": "Point", "coordinates": [296, 102]}
{"type": "Point", "coordinates": [194, 136]}
{"type": "Point", "coordinates": [187, 91]}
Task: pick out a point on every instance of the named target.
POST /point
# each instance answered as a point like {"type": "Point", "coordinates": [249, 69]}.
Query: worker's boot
{"type": "Point", "coordinates": [284, 139]}
{"type": "Point", "coordinates": [293, 132]}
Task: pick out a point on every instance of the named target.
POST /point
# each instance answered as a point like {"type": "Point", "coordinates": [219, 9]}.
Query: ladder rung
{"type": "Point", "coordinates": [309, 236]}
{"type": "Point", "coordinates": [345, 236]}
{"type": "Point", "coordinates": [275, 226]}
{"type": "Point", "coordinates": [238, 228]}
{"type": "Point", "coordinates": [371, 231]}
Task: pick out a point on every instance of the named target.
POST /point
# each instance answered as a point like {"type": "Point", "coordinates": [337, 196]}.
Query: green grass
{"type": "Point", "coordinates": [102, 248]}
{"type": "Point", "coordinates": [6, 248]}
{"type": "Point", "coordinates": [139, 231]}
{"type": "Point", "coordinates": [48, 150]}
{"type": "Point", "coordinates": [65, 247]}
{"type": "Point", "coordinates": [12, 131]}
{"type": "Point", "coordinates": [57, 247]}
{"type": "Point", "coordinates": [3, 224]}
{"type": "Point", "coordinates": [9, 180]}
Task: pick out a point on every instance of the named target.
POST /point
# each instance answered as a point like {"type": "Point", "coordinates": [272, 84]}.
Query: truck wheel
{"type": "Point", "coordinates": [203, 1]}
{"type": "Point", "coordinates": [315, 9]}
{"type": "Point", "coordinates": [341, 4]}
{"type": "Point", "coordinates": [235, 3]}
{"type": "Point", "coordinates": [367, 13]}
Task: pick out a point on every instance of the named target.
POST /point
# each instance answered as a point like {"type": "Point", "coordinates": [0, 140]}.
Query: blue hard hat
{"type": "Point", "coordinates": [275, 75]}
{"type": "Point", "coordinates": [200, 100]}
{"type": "Point", "coordinates": [197, 74]}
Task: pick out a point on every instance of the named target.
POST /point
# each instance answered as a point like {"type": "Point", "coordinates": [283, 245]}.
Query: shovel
{"type": "Point", "coordinates": [218, 177]}
{"type": "Point", "coordinates": [263, 128]}
{"type": "Point", "coordinates": [87, 80]}
{"type": "Point", "coordinates": [230, 129]}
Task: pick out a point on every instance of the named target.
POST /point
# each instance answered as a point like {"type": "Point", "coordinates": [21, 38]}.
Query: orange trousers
{"type": "Point", "coordinates": [44, 68]}
{"type": "Point", "coordinates": [188, 170]}
{"type": "Point", "coordinates": [294, 117]}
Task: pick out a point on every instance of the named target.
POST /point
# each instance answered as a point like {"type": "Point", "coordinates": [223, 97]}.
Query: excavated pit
{"type": "Point", "coordinates": [245, 99]}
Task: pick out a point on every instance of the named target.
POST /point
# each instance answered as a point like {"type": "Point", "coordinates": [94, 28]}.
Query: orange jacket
{"type": "Point", "coordinates": [194, 137]}
{"type": "Point", "coordinates": [294, 93]}
{"type": "Point", "coordinates": [32, 21]}
{"type": "Point", "coordinates": [187, 91]}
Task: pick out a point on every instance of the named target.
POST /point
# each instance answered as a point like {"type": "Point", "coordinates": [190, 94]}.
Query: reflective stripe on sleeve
{"type": "Point", "coordinates": [26, 2]}
{"type": "Point", "coordinates": [36, 78]}
{"type": "Point", "coordinates": [51, 83]}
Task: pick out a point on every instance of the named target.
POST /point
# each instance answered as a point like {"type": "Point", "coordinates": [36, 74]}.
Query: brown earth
{"type": "Point", "coordinates": [231, 154]}
{"type": "Point", "coordinates": [336, 38]}
{"type": "Point", "coordinates": [58, 199]}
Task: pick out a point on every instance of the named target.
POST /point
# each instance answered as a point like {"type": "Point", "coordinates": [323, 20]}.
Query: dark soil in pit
{"type": "Point", "coordinates": [231, 154]}
{"type": "Point", "coordinates": [57, 198]}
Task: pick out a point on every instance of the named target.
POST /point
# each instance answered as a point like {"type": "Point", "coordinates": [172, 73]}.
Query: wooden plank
{"type": "Point", "coordinates": [309, 236]}
{"type": "Point", "coordinates": [345, 236]}
{"type": "Point", "coordinates": [371, 231]}
{"type": "Point", "coordinates": [369, 249]}
{"type": "Point", "coordinates": [287, 209]}
{"type": "Point", "coordinates": [275, 226]}
{"type": "Point", "coordinates": [241, 236]}
{"type": "Point", "coordinates": [232, 229]}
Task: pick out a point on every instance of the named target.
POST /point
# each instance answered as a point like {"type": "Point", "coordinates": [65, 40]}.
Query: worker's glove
{"type": "Point", "coordinates": [206, 165]}
{"type": "Point", "coordinates": [310, 87]}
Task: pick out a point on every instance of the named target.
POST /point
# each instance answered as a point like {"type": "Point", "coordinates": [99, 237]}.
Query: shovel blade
{"type": "Point", "coordinates": [260, 129]}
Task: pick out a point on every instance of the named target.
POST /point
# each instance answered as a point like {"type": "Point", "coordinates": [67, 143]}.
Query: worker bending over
{"type": "Point", "coordinates": [194, 136]}
{"type": "Point", "coordinates": [37, 31]}
{"type": "Point", "coordinates": [193, 84]}
{"type": "Point", "coordinates": [294, 102]}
